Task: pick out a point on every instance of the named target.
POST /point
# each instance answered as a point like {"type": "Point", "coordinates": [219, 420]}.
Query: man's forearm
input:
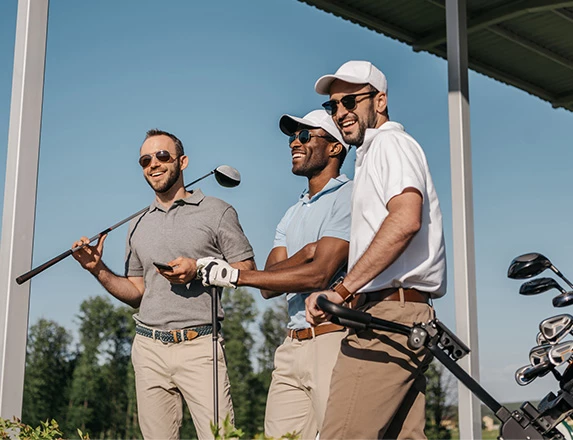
{"type": "Point", "coordinates": [120, 287]}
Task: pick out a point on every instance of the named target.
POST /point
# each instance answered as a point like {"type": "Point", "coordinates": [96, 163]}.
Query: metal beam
{"type": "Point", "coordinates": [469, 407]}
{"type": "Point", "coordinates": [563, 100]}
{"type": "Point", "coordinates": [20, 198]}
{"type": "Point", "coordinates": [350, 13]}
{"type": "Point", "coordinates": [564, 14]}
{"type": "Point", "coordinates": [497, 15]}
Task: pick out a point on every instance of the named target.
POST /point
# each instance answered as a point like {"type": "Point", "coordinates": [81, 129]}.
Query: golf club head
{"type": "Point", "coordinates": [540, 339]}
{"type": "Point", "coordinates": [527, 266]}
{"type": "Point", "coordinates": [563, 300]}
{"type": "Point", "coordinates": [561, 353]}
{"type": "Point", "coordinates": [527, 374]}
{"type": "Point", "coordinates": [555, 328]}
{"type": "Point", "coordinates": [540, 354]}
{"type": "Point", "coordinates": [227, 176]}
{"type": "Point", "coordinates": [539, 285]}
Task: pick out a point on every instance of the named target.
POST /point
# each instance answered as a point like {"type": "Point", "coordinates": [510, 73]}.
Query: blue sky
{"type": "Point", "coordinates": [219, 75]}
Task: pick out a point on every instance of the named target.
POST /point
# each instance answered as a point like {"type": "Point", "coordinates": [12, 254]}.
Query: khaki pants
{"type": "Point", "coordinates": [166, 372]}
{"type": "Point", "coordinates": [378, 386]}
{"type": "Point", "coordinates": [299, 387]}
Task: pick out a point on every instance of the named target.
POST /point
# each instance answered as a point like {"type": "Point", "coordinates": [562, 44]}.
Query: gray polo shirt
{"type": "Point", "coordinates": [195, 227]}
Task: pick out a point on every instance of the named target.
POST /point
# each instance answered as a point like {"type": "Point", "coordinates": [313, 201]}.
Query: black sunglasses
{"type": "Point", "coordinates": [161, 156]}
{"type": "Point", "coordinates": [348, 101]}
{"type": "Point", "coordinates": [304, 136]}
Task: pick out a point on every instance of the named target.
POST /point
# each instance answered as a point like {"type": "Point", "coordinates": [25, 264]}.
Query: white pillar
{"type": "Point", "coordinates": [20, 198]}
{"type": "Point", "coordinates": [462, 211]}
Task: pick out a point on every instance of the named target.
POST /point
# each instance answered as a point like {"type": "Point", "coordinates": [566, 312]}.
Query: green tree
{"type": "Point", "coordinates": [438, 392]}
{"type": "Point", "coordinates": [273, 330]}
{"type": "Point", "coordinates": [49, 364]}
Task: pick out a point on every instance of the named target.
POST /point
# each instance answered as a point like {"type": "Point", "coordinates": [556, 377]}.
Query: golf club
{"type": "Point", "coordinates": [561, 353]}
{"type": "Point", "coordinates": [529, 373]}
{"type": "Point", "coordinates": [563, 300]}
{"type": "Point", "coordinates": [556, 328]}
{"type": "Point", "coordinates": [225, 175]}
{"type": "Point", "coordinates": [540, 285]}
{"type": "Point", "coordinates": [529, 265]}
{"type": "Point", "coordinates": [540, 339]}
{"type": "Point", "coordinates": [539, 355]}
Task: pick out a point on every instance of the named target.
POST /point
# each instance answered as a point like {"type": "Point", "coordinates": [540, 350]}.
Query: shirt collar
{"type": "Point", "coordinates": [330, 186]}
{"type": "Point", "coordinates": [194, 198]}
{"type": "Point", "coordinates": [372, 132]}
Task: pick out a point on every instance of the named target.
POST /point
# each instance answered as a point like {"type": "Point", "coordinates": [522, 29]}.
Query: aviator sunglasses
{"type": "Point", "coordinates": [161, 156]}
{"type": "Point", "coordinates": [303, 136]}
{"type": "Point", "coordinates": [348, 101]}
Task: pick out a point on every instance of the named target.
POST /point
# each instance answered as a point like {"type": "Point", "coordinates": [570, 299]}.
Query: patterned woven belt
{"type": "Point", "coordinates": [174, 336]}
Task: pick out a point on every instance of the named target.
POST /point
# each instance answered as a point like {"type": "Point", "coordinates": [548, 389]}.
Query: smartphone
{"type": "Point", "coordinates": [162, 266]}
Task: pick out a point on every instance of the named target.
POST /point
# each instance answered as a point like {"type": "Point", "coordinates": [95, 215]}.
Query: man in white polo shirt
{"type": "Point", "coordinates": [310, 250]}
{"type": "Point", "coordinates": [396, 264]}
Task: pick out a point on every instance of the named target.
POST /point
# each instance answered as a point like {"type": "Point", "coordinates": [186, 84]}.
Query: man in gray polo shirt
{"type": "Point", "coordinates": [311, 245]}
{"type": "Point", "coordinates": [172, 352]}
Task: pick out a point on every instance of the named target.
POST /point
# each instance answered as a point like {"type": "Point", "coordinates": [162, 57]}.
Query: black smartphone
{"type": "Point", "coordinates": [164, 267]}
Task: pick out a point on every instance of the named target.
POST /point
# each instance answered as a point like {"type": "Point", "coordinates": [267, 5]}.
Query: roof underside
{"type": "Point", "coordinates": [524, 43]}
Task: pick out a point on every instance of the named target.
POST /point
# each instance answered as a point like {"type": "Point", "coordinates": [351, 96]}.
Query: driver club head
{"type": "Point", "coordinates": [561, 353]}
{"type": "Point", "coordinates": [540, 354]}
{"type": "Point", "coordinates": [539, 285]}
{"type": "Point", "coordinates": [527, 266]}
{"type": "Point", "coordinates": [556, 328]}
{"type": "Point", "coordinates": [227, 176]}
{"type": "Point", "coordinates": [563, 300]}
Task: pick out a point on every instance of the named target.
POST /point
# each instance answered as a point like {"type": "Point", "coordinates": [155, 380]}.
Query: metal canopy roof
{"type": "Point", "coordinates": [524, 43]}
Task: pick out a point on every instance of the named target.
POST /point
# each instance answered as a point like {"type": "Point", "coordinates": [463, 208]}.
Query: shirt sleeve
{"type": "Point", "coordinates": [231, 239]}
{"type": "Point", "coordinates": [338, 224]}
{"type": "Point", "coordinates": [280, 232]}
{"type": "Point", "coordinates": [401, 165]}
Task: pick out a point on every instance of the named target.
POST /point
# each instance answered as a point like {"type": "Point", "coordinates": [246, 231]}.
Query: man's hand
{"type": "Point", "coordinates": [184, 270]}
{"type": "Point", "coordinates": [217, 272]}
{"type": "Point", "coordinates": [314, 314]}
{"type": "Point", "coordinates": [89, 256]}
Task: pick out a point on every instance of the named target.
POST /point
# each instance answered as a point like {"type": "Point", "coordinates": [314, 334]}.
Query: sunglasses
{"type": "Point", "coordinates": [348, 101]}
{"type": "Point", "coordinates": [161, 155]}
{"type": "Point", "coordinates": [303, 136]}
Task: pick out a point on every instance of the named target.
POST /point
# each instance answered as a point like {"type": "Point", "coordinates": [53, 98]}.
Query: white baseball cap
{"type": "Point", "coordinates": [354, 72]}
{"type": "Point", "coordinates": [315, 119]}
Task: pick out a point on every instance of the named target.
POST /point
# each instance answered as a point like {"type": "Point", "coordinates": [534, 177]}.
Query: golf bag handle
{"type": "Point", "coordinates": [42, 267]}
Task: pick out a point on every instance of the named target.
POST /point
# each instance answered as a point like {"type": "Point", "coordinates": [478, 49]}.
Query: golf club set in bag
{"type": "Point", "coordinates": [528, 422]}
{"type": "Point", "coordinates": [227, 177]}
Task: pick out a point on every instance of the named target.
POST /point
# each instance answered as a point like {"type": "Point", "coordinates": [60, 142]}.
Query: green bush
{"type": "Point", "coordinates": [48, 430]}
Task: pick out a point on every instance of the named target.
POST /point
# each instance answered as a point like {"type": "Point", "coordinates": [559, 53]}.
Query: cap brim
{"type": "Point", "coordinates": [322, 86]}
{"type": "Point", "coordinates": [290, 124]}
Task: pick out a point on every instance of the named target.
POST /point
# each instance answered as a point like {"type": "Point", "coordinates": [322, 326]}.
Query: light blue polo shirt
{"type": "Point", "coordinates": [326, 214]}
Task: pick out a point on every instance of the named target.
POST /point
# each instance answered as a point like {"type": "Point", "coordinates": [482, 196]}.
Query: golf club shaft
{"type": "Point", "coordinates": [32, 273]}
{"type": "Point", "coordinates": [215, 335]}
{"type": "Point", "coordinates": [558, 272]}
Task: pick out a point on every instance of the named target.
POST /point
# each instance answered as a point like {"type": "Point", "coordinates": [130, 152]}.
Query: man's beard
{"type": "Point", "coordinates": [357, 139]}
{"type": "Point", "coordinates": [168, 184]}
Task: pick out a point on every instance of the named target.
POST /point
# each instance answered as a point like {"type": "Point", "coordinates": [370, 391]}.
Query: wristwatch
{"type": "Point", "coordinates": [339, 288]}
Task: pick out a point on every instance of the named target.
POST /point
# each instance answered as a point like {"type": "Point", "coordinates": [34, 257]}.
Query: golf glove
{"type": "Point", "coordinates": [216, 272]}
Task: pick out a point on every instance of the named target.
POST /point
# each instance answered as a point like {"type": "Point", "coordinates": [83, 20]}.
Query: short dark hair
{"type": "Point", "coordinates": [178, 144]}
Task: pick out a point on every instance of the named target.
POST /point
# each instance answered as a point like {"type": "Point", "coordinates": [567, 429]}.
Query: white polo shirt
{"type": "Point", "coordinates": [388, 162]}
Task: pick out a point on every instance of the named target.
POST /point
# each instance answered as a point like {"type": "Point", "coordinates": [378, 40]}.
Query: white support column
{"type": "Point", "coordinates": [20, 198]}
{"type": "Point", "coordinates": [462, 211]}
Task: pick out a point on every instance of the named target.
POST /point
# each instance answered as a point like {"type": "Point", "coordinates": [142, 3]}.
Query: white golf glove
{"type": "Point", "coordinates": [215, 272]}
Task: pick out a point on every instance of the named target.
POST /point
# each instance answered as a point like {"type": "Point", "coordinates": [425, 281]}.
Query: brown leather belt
{"type": "Point", "coordinates": [393, 294]}
{"type": "Point", "coordinates": [307, 333]}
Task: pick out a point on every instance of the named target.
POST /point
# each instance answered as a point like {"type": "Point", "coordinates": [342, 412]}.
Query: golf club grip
{"type": "Point", "coordinates": [343, 312]}
{"type": "Point", "coordinates": [32, 273]}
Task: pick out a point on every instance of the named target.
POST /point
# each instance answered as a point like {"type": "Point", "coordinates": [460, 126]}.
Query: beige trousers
{"type": "Point", "coordinates": [166, 372]}
{"type": "Point", "coordinates": [299, 388]}
{"type": "Point", "coordinates": [378, 386]}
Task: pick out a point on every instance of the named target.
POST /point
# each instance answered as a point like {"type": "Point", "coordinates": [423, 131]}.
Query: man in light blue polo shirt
{"type": "Point", "coordinates": [310, 250]}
